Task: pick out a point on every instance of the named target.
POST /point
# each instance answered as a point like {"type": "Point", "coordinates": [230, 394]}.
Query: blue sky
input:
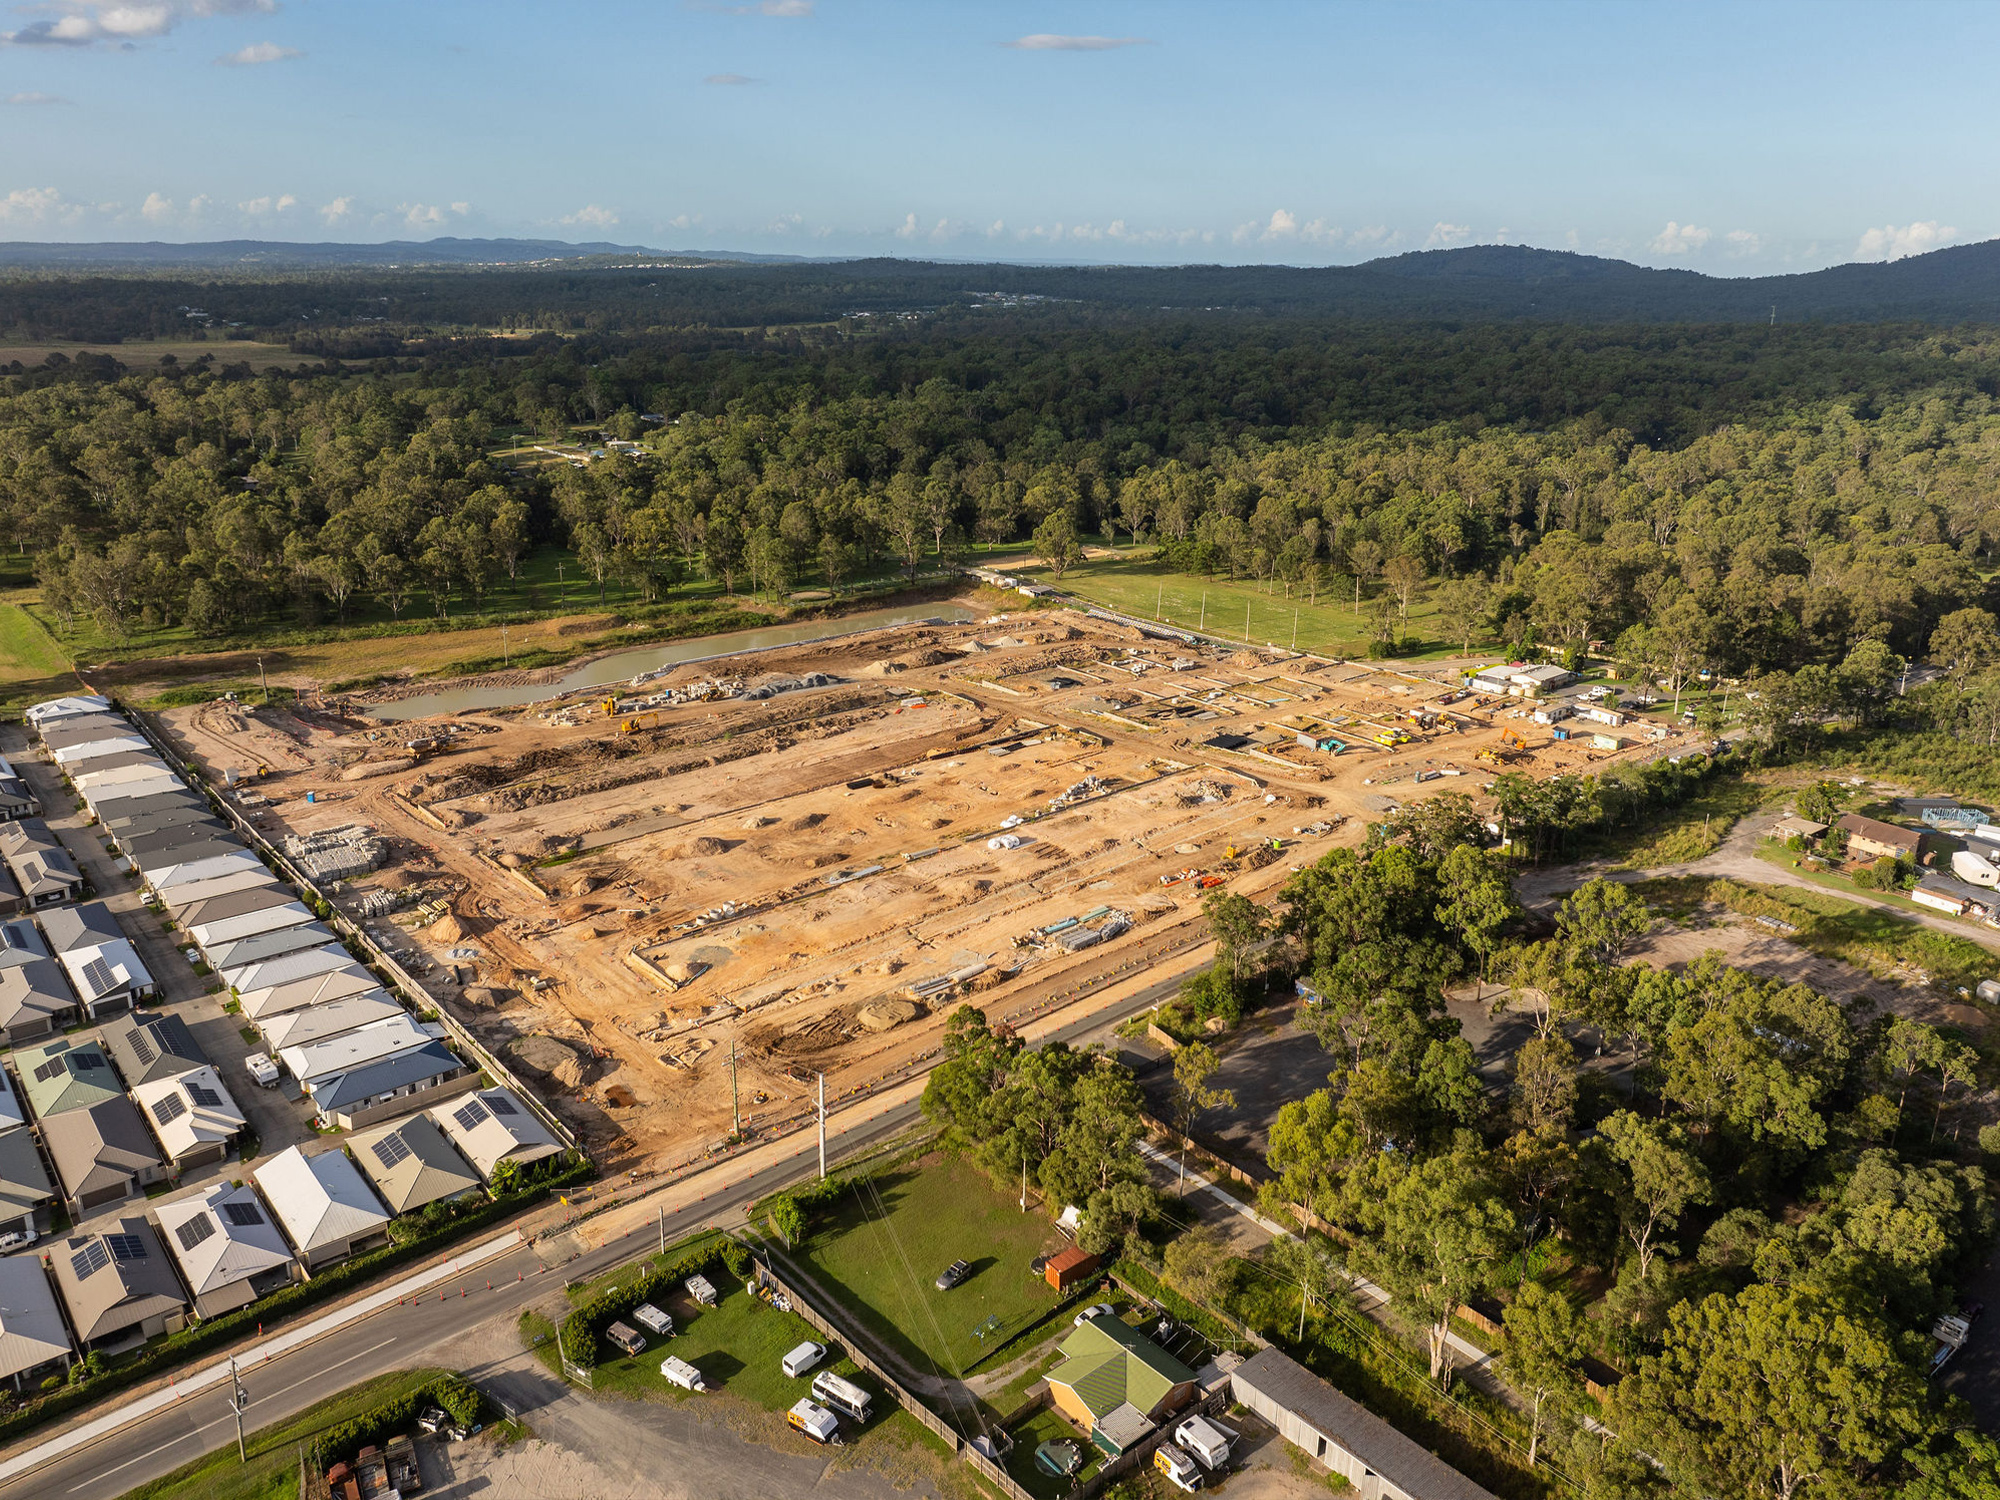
{"type": "Point", "coordinates": [1736, 139]}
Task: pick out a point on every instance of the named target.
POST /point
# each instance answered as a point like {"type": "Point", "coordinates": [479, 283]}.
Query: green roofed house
{"type": "Point", "coordinates": [1115, 1383]}
{"type": "Point", "coordinates": [63, 1075]}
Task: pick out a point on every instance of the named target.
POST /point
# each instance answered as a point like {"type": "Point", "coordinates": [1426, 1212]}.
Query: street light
{"type": "Point", "coordinates": [238, 1399]}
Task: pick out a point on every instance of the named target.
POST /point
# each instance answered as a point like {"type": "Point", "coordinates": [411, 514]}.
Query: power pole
{"type": "Point", "coordinates": [1024, 1182]}
{"type": "Point", "coordinates": [1159, 595]}
{"type": "Point", "coordinates": [506, 658]}
{"type": "Point", "coordinates": [1204, 609]}
{"type": "Point", "coordinates": [735, 1099]}
{"type": "Point", "coordinates": [663, 1229]}
{"type": "Point", "coordinates": [1246, 622]}
{"type": "Point", "coordinates": [265, 679]}
{"type": "Point", "coordinates": [238, 1399]}
{"type": "Point", "coordinates": [1295, 627]}
{"type": "Point", "coordinates": [822, 1127]}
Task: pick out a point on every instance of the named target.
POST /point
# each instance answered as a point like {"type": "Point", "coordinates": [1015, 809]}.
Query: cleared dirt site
{"type": "Point", "coordinates": [678, 903]}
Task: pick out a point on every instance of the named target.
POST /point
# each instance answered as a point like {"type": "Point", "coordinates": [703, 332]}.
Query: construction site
{"type": "Point", "coordinates": [682, 903]}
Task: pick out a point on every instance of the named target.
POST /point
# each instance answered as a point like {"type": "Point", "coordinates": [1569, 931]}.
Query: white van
{"type": "Point", "coordinates": [1206, 1441]}
{"type": "Point", "coordinates": [816, 1422]}
{"type": "Point", "coordinates": [803, 1358]}
{"type": "Point", "coordinates": [679, 1372]}
{"type": "Point", "coordinates": [1180, 1470]}
{"type": "Point", "coordinates": [843, 1396]}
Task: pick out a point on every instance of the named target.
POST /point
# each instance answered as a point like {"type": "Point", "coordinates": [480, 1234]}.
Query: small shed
{"type": "Point", "coordinates": [1067, 1267]}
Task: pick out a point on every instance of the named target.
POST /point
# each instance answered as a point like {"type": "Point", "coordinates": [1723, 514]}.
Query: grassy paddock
{"type": "Point", "coordinates": [1695, 828]}
{"type": "Point", "coordinates": [32, 666]}
{"type": "Point", "coordinates": [882, 1248]}
{"type": "Point", "coordinates": [273, 1470]}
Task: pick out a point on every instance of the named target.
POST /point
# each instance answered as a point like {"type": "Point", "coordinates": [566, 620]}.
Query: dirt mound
{"type": "Point", "coordinates": [756, 823]}
{"type": "Point", "coordinates": [583, 885]}
{"type": "Point", "coordinates": [446, 929]}
{"type": "Point", "coordinates": [807, 822]}
{"type": "Point", "coordinates": [457, 817]}
{"type": "Point", "coordinates": [931, 656]}
{"type": "Point", "coordinates": [512, 860]}
{"type": "Point", "coordinates": [546, 1055]}
{"type": "Point", "coordinates": [886, 1015]}
{"type": "Point", "coordinates": [882, 668]}
{"type": "Point", "coordinates": [482, 995]}
{"type": "Point", "coordinates": [704, 846]}
{"type": "Point", "coordinates": [821, 861]}
{"type": "Point", "coordinates": [1245, 659]}
{"type": "Point", "coordinates": [937, 822]}
{"type": "Point", "coordinates": [398, 880]}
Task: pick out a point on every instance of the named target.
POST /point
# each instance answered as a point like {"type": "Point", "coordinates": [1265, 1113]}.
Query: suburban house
{"type": "Point", "coordinates": [45, 716]}
{"type": "Point", "coordinates": [27, 1197]}
{"type": "Point", "coordinates": [339, 1054]}
{"type": "Point", "coordinates": [230, 1253]}
{"type": "Point", "coordinates": [330, 1018]}
{"type": "Point", "coordinates": [41, 867]}
{"type": "Point", "coordinates": [75, 749]}
{"type": "Point", "coordinates": [1519, 680]}
{"type": "Point", "coordinates": [346, 980]}
{"type": "Point", "coordinates": [10, 894]}
{"type": "Point", "coordinates": [301, 965]}
{"type": "Point", "coordinates": [82, 926]}
{"type": "Point", "coordinates": [219, 938]}
{"type": "Point", "coordinates": [1870, 838]}
{"type": "Point", "coordinates": [1116, 1384]}
{"type": "Point", "coordinates": [34, 1344]}
{"type": "Point", "coordinates": [17, 799]}
{"type": "Point", "coordinates": [411, 1164]}
{"type": "Point", "coordinates": [493, 1126]}
{"type": "Point", "coordinates": [34, 1001]}
{"type": "Point", "coordinates": [1373, 1457]}
{"type": "Point", "coordinates": [63, 1075]}
{"type": "Point", "coordinates": [165, 879]}
{"type": "Point", "coordinates": [192, 1116]}
{"type": "Point", "coordinates": [150, 1048]}
{"type": "Point", "coordinates": [13, 1112]}
{"type": "Point", "coordinates": [118, 1285]}
{"type": "Point", "coordinates": [323, 1204]}
{"type": "Point", "coordinates": [371, 1091]}
{"type": "Point", "coordinates": [1796, 827]}
{"type": "Point", "coordinates": [235, 903]}
{"type": "Point", "coordinates": [103, 1155]}
{"type": "Point", "coordinates": [233, 957]}
{"type": "Point", "coordinates": [179, 898]}
{"type": "Point", "coordinates": [137, 817]}
{"type": "Point", "coordinates": [109, 978]}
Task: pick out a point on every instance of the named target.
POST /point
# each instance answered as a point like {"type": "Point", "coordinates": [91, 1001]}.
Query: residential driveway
{"type": "Point", "coordinates": [705, 1448]}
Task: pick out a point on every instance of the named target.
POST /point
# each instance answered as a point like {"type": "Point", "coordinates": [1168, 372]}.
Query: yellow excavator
{"type": "Point", "coordinates": [1510, 747]}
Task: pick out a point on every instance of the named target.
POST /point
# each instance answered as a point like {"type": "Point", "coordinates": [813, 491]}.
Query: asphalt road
{"type": "Point", "coordinates": [396, 1338]}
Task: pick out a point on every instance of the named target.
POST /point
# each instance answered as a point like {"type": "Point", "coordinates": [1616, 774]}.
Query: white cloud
{"type": "Point", "coordinates": [1282, 223]}
{"type": "Point", "coordinates": [256, 54]}
{"type": "Point", "coordinates": [787, 10]}
{"type": "Point", "coordinates": [33, 99]}
{"type": "Point", "coordinates": [430, 215]}
{"type": "Point", "coordinates": [907, 230]}
{"type": "Point", "coordinates": [262, 207]}
{"type": "Point", "coordinates": [1892, 243]}
{"type": "Point", "coordinates": [1680, 239]}
{"type": "Point", "coordinates": [1744, 242]}
{"type": "Point", "coordinates": [730, 80]}
{"type": "Point", "coordinates": [121, 23]}
{"type": "Point", "coordinates": [336, 211]}
{"type": "Point", "coordinates": [157, 208]}
{"type": "Point", "coordinates": [1446, 235]}
{"type": "Point", "coordinates": [591, 216]}
{"type": "Point", "coordinates": [683, 221]}
{"type": "Point", "coordinates": [38, 206]}
{"type": "Point", "coordinates": [1049, 41]}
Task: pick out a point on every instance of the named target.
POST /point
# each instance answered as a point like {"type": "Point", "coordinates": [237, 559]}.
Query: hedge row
{"type": "Point", "coordinates": [378, 1424]}
{"type": "Point", "coordinates": [581, 1328]}
{"type": "Point", "coordinates": [177, 1349]}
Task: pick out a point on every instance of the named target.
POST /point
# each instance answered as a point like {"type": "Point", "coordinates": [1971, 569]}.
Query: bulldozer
{"type": "Point", "coordinates": [637, 722]}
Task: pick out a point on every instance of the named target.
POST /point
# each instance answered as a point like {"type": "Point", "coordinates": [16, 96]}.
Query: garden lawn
{"type": "Point", "coordinates": [273, 1470]}
{"type": "Point", "coordinates": [882, 1248]}
{"type": "Point", "coordinates": [1043, 1427]}
{"type": "Point", "coordinates": [1135, 585]}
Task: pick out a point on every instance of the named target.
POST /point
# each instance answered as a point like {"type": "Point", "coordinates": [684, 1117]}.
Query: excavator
{"type": "Point", "coordinates": [1511, 747]}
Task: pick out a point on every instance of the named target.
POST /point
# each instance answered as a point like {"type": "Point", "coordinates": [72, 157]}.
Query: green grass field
{"type": "Point", "coordinates": [1047, 1426]}
{"type": "Point", "coordinates": [1695, 828]}
{"type": "Point", "coordinates": [1135, 585]}
{"type": "Point", "coordinates": [32, 666]}
{"type": "Point", "coordinates": [273, 1470]}
{"type": "Point", "coordinates": [882, 1250]}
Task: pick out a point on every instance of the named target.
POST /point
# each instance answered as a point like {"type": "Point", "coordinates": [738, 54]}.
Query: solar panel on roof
{"type": "Point", "coordinates": [390, 1150]}
{"type": "Point", "coordinates": [142, 1046]}
{"type": "Point", "coordinates": [48, 1070]}
{"type": "Point", "coordinates": [203, 1095]}
{"type": "Point", "coordinates": [501, 1105]}
{"type": "Point", "coordinates": [243, 1213]}
{"type": "Point", "coordinates": [88, 1261]}
{"type": "Point", "coordinates": [85, 1061]}
{"type": "Point", "coordinates": [197, 1229]}
{"type": "Point", "coordinates": [169, 1109]}
{"type": "Point", "coordinates": [470, 1115]}
{"type": "Point", "coordinates": [97, 974]}
{"type": "Point", "coordinates": [126, 1246]}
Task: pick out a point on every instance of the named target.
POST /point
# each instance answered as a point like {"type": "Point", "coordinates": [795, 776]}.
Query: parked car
{"type": "Point", "coordinates": [953, 1274]}
{"type": "Point", "coordinates": [626, 1337]}
{"type": "Point", "coordinates": [651, 1317]}
{"type": "Point", "coordinates": [1095, 1310]}
{"type": "Point", "coordinates": [803, 1358]}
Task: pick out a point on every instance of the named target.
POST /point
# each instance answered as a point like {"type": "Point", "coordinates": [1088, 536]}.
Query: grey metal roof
{"type": "Point", "coordinates": [31, 1325]}
{"type": "Point", "coordinates": [24, 1181]}
{"type": "Point", "coordinates": [99, 1146]}
{"type": "Point", "coordinates": [338, 1090]}
{"type": "Point", "coordinates": [84, 926]}
{"type": "Point", "coordinates": [250, 951]}
{"type": "Point", "coordinates": [147, 1048]}
{"type": "Point", "coordinates": [236, 904]}
{"type": "Point", "coordinates": [1407, 1465]}
{"type": "Point", "coordinates": [107, 1291]}
{"type": "Point", "coordinates": [411, 1163]}
{"type": "Point", "coordinates": [158, 805]}
{"type": "Point", "coordinates": [32, 990]}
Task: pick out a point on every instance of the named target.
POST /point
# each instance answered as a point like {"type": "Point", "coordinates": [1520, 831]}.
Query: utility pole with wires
{"type": "Point", "coordinates": [238, 1399]}
{"type": "Point", "coordinates": [735, 1098]}
{"type": "Point", "coordinates": [663, 1229]}
{"type": "Point", "coordinates": [1024, 1182]}
{"type": "Point", "coordinates": [822, 1127]}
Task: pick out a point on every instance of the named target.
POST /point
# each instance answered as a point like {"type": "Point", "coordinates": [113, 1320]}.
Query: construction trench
{"type": "Point", "coordinates": [674, 906]}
